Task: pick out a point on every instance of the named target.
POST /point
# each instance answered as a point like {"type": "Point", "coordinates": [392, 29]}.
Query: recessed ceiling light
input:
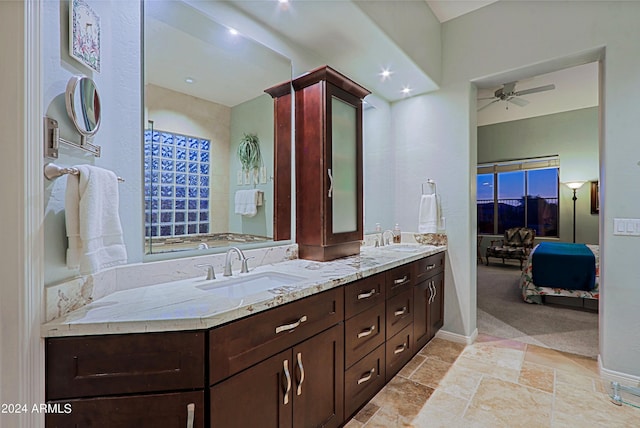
{"type": "Point", "coordinates": [283, 1]}
{"type": "Point", "coordinates": [385, 74]}
{"type": "Point", "coordinates": [406, 90]}
{"type": "Point", "coordinates": [233, 31]}
{"type": "Point", "coordinates": [190, 80]}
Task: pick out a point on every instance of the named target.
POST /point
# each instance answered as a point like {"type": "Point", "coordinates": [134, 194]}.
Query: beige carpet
{"type": "Point", "coordinates": [503, 313]}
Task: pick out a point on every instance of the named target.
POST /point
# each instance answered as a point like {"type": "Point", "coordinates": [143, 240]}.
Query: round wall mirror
{"type": "Point", "coordinates": [83, 105]}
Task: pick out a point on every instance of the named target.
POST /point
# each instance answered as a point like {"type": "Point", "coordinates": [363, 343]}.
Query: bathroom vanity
{"type": "Point", "coordinates": [310, 361]}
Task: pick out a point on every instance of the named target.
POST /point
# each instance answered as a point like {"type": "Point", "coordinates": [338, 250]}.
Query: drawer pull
{"type": "Point", "coordinates": [430, 292]}
{"type": "Point", "coordinates": [367, 377]}
{"type": "Point", "coordinates": [287, 375]}
{"type": "Point", "coordinates": [367, 295]}
{"type": "Point", "coordinates": [400, 349]}
{"type": "Point", "coordinates": [431, 266]}
{"type": "Point", "coordinates": [367, 332]}
{"type": "Point", "coordinates": [400, 280]}
{"type": "Point", "coordinates": [191, 413]}
{"type": "Point", "coordinates": [301, 368]}
{"type": "Point", "coordinates": [291, 326]}
{"type": "Point", "coordinates": [400, 312]}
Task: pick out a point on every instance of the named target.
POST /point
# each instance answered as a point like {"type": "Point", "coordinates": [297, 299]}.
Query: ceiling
{"type": "Point", "coordinates": [188, 42]}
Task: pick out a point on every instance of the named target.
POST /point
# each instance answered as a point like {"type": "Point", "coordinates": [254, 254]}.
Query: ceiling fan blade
{"type": "Point", "coordinates": [534, 90]}
{"type": "Point", "coordinates": [487, 105]}
{"type": "Point", "coordinates": [518, 101]}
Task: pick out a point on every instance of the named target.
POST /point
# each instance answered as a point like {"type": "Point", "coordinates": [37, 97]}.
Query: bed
{"type": "Point", "coordinates": [561, 254]}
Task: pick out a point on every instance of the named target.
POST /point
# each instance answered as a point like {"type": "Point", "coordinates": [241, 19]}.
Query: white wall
{"type": "Point", "coordinates": [531, 33]}
{"type": "Point", "coordinates": [431, 134]}
{"type": "Point", "coordinates": [120, 131]}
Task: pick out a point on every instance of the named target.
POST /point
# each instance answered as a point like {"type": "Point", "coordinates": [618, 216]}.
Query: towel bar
{"type": "Point", "coordinates": [53, 171]}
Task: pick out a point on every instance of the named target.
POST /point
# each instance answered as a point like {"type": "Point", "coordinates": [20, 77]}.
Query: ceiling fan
{"type": "Point", "coordinates": [509, 94]}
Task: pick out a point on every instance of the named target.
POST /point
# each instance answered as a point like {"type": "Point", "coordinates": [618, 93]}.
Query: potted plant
{"type": "Point", "coordinates": [249, 152]}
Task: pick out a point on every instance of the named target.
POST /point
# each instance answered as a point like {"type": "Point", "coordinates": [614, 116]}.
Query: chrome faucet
{"type": "Point", "coordinates": [228, 261]}
{"type": "Point", "coordinates": [387, 242]}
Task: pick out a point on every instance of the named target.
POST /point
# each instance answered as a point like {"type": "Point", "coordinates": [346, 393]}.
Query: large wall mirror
{"type": "Point", "coordinates": [204, 97]}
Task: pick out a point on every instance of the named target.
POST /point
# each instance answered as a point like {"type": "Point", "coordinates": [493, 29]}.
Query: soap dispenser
{"type": "Point", "coordinates": [397, 234]}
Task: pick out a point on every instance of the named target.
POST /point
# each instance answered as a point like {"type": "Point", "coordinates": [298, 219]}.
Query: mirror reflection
{"type": "Point", "coordinates": [83, 105]}
{"type": "Point", "coordinates": [204, 97]}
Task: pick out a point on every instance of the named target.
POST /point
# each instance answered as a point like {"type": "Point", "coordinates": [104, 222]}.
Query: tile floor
{"type": "Point", "coordinates": [495, 383]}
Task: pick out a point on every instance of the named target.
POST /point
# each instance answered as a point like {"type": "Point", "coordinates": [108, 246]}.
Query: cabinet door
{"type": "Point", "coordinates": [436, 308]}
{"type": "Point", "coordinates": [344, 166]}
{"type": "Point", "coordinates": [422, 293]}
{"type": "Point", "coordinates": [261, 396]}
{"type": "Point", "coordinates": [141, 411]}
{"type": "Point", "coordinates": [318, 380]}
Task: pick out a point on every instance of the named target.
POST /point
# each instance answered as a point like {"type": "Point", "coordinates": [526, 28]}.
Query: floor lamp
{"type": "Point", "coordinates": [574, 185]}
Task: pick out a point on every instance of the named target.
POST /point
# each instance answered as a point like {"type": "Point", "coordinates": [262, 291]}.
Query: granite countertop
{"type": "Point", "coordinates": [181, 305]}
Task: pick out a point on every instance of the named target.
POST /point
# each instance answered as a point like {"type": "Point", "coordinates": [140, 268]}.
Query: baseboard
{"type": "Point", "coordinates": [614, 376]}
{"type": "Point", "coordinates": [457, 338]}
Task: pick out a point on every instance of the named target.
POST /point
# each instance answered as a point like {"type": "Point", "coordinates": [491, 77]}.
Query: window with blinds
{"type": "Point", "coordinates": [519, 193]}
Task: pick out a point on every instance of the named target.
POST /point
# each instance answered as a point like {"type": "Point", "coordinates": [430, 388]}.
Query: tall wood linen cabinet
{"type": "Point", "coordinates": [328, 153]}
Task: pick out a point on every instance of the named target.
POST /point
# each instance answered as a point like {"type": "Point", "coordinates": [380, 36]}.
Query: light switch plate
{"type": "Point", "coordinates": [626, 226]}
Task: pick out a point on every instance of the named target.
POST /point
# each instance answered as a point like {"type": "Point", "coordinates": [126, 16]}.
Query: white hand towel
{"type": "Point", "coordinates": [428, 215]}
{"type": "Point", "coordinates": [92, 220]}
{"type": "Point", "coordinates": [246, 202]}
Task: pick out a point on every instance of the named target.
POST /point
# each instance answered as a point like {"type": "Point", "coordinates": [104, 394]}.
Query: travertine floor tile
{"type": "Point", "coordinates": [498, 403]}
{"type": "Point", "coordinates": [431, 372]}
{"type": "Point", "coordinates": [353, 424]}
{"type": "Point", "coordinates": [402, 397]}
{"type": "Point", "coordinates": [460, 382]}
{"type": "Point", "coordinates": [411, 366]}
{"type": "Point", "coordinates": [562, 360]}
{"type": "Point", "coordinates": [443, 350]}
{"type": "Point", "coordinates": [442, 410]}
{"type": "Point", "coordinates": [489, 368]}
{"type": "Point", "coordinates": [537, 376]}
{"type": "Point", "coordinates": [502, 357]}
{"type": "Point", "coordinates": [366, 412]}
{"type": "Point", "coordinates": [387, 418]}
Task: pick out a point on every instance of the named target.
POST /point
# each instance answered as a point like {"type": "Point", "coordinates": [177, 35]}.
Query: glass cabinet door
{"type": "Point", "coordinates": [343, 172]}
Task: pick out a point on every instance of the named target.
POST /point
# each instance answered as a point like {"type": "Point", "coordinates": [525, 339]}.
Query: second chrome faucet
{"type": "Point", "coordinates": [228, 261]}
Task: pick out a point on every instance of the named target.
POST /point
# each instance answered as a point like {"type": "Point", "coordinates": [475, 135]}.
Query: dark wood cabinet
{"type": "Point", "coordinates": [298, 387]}
{"type": "Point", "coordinates": [183, 409]}
{"type": "Point", "coordinates": [309, 363]}
{"type": "Point", "coordinates": [428, 295]}
{"type": "Point", "coordinates": [328, 123]}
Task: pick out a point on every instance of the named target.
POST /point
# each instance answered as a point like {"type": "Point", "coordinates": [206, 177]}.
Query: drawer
{"type": "Point", "coordinates": [363, 294]}
{"type": "Point", "coordinates": [364, 380]}
{"type": "Point", "coordinates": [430, 266]}
{"type": "Point", "coordinates": [399, 350]}
{"type": "Point", "coordinates": [140, 411]}
{"type": "Point", "coordinates": [91, 366]}
{"type": "Point", "coordinates": [399, 312]}
{"type": "Point", "coordinates": [363, 333]}
{"type": "Point", "coordinates": [399, 279]}
{"type": "Point", "coordinates": [242, 343]}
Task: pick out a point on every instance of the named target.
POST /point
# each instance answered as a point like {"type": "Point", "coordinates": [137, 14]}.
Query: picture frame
{"type": "Point", "coordinates": [84, 34]}
{"type": "Point", "coordinates": [595, 197]}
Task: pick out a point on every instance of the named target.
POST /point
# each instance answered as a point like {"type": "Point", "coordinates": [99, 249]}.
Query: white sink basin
{"type": "Point", "coordinates": [406, 248]}
{"type": "Point", "coordinates": [251, 284]}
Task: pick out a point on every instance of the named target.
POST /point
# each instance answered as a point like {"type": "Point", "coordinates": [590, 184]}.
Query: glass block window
{"type": "Point", "coordinates": [176, 184]}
